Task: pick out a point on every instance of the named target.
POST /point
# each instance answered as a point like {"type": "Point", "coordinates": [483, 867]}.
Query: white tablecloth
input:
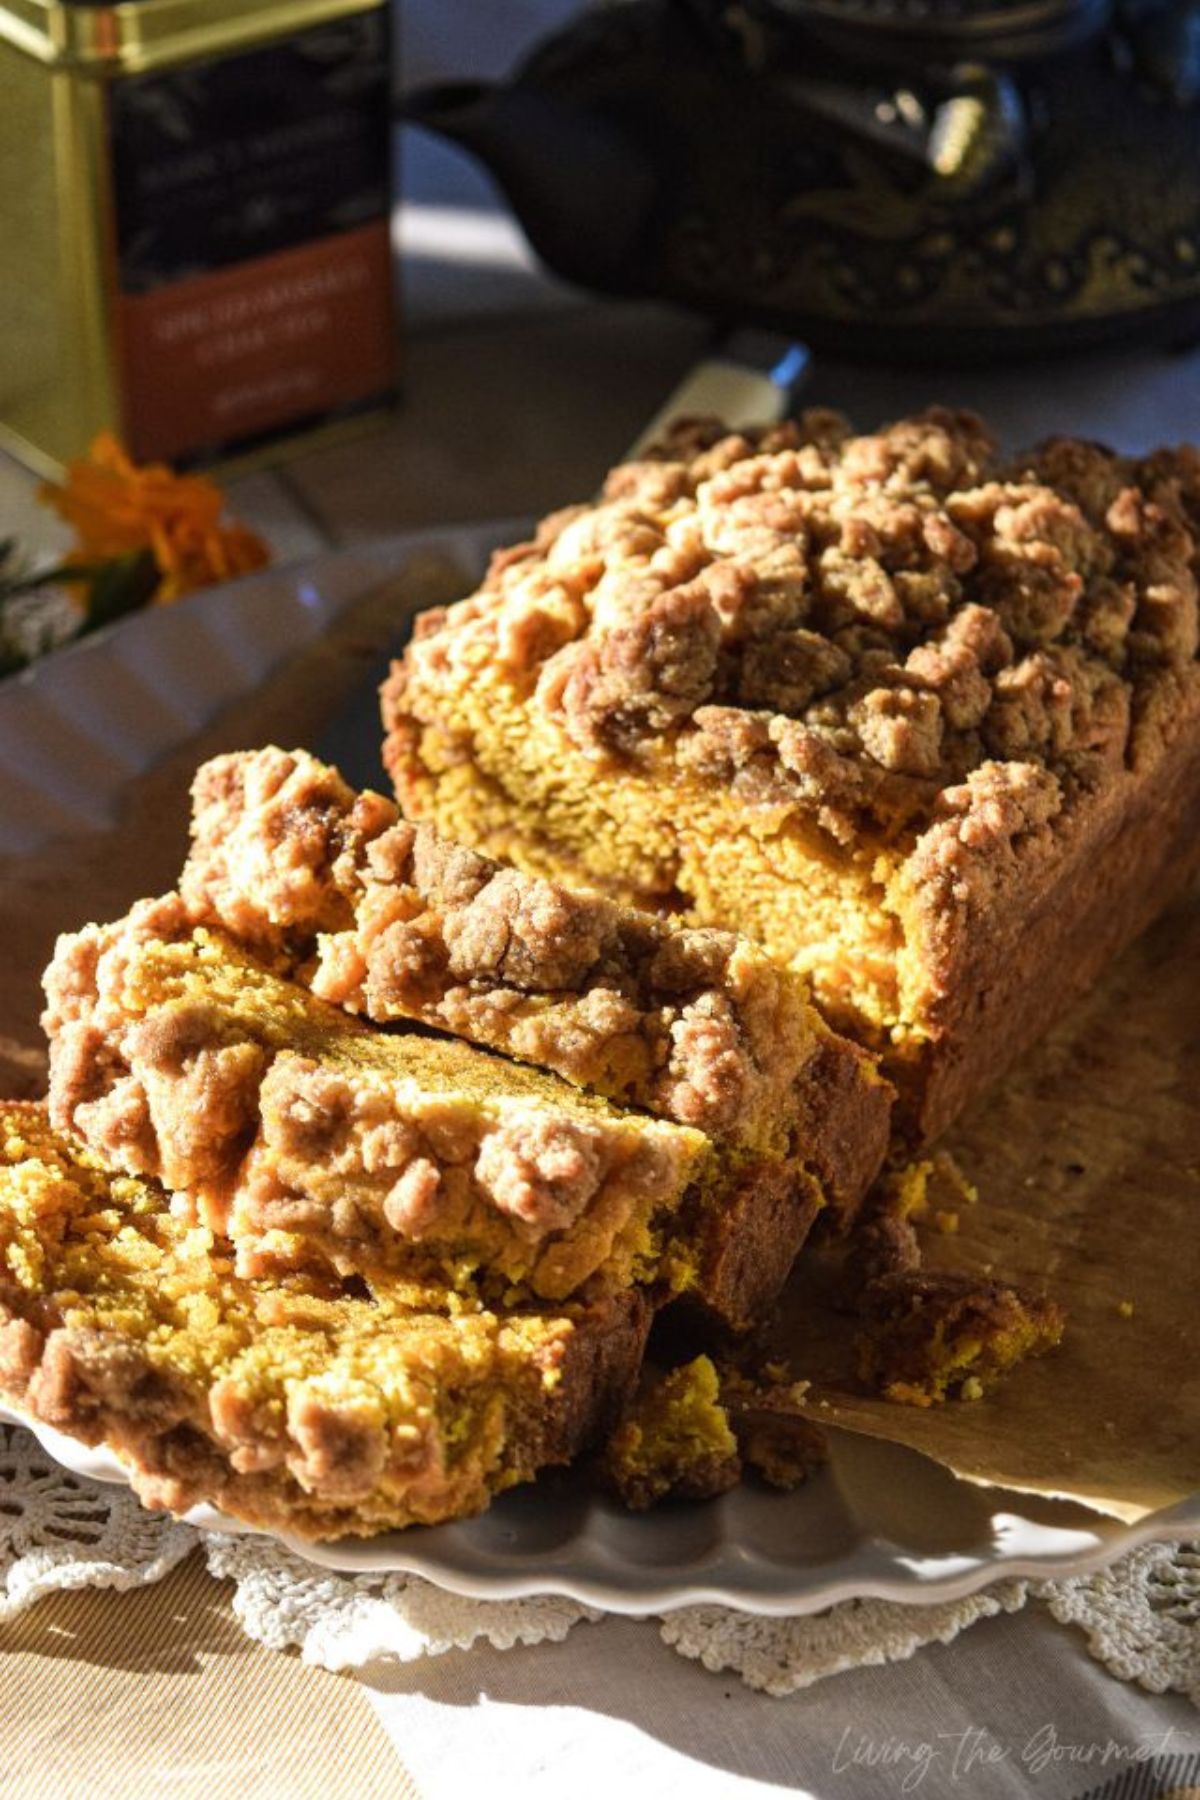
{"type": "Point", "coordinates": [1012, 1708]}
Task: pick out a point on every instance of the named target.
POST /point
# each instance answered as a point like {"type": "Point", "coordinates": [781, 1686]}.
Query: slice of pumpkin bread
{"type": "Point", "coordinates": [300, 1406]}
{"type": "Point", "coordinates": [922, 718]}
{"type": "Point", "coordinates": [392, 922]}
{"type": "Point", "coordinates": [315, 1140]}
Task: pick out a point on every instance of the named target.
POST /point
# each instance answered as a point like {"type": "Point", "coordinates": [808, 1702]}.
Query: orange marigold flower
{"type": "Point", "coordinates": [116, 507]}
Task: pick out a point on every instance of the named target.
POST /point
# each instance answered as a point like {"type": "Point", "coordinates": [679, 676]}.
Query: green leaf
{"type": "Point", "coordinates": [119, 587]}
{"type": "Point", "coordinates": [17, 582]}
{"type": "Point", "coordinates": [15, 577]}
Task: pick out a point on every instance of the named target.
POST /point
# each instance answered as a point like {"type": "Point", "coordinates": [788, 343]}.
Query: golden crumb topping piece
{"type": "Point", "coordinates": [932, 1335]}
{"type": "Point", "coordinates": [676, 1440]}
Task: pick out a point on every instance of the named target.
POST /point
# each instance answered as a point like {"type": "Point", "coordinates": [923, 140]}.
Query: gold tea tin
{"type": "Point", "coordinates": [195, 206]}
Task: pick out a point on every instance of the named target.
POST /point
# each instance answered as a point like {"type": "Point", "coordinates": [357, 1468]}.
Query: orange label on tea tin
{"type": "Point", "coordinates": [223, 357]}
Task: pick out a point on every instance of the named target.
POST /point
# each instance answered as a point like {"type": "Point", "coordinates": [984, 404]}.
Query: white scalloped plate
{"type": "Point", "coordinates": [881, 1521]}
{"type": "Point", "coordinates": [85, 720]}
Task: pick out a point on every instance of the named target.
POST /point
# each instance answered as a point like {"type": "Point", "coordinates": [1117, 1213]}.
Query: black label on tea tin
{"type": "Point", "coordinates": [217, 161]}
{"type": "Point", "coordinates": [252, 197]}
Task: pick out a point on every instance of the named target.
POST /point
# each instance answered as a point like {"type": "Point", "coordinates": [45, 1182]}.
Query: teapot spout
{"type": "Point", "coordinates": [582, 188]}
{"type": "Point", "coordinates": [463, 111]}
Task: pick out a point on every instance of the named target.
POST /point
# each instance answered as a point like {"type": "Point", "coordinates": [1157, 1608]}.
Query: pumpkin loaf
{"type": "Point", "coordinates": [392, 922]}
{"type": "Point", "coordinates": [921, 718]}
{"type": "Point", "coordinates": [307, 1405]}
{"type": "Point", "coordinates": [318, 1141]}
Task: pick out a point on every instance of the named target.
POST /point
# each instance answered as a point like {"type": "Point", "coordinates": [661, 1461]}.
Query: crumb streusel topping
{"type": "Point", "coordinates": [856, 624]}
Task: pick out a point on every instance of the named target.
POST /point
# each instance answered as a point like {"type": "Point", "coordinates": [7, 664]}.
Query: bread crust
{"type": "Point", "coordinates": [1005, 966]}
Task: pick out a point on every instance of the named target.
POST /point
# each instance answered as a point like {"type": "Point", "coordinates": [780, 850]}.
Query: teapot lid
{"type": "Point", "coordinates": [1003, 27]}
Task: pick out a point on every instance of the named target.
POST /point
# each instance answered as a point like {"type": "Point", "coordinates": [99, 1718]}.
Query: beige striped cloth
{"type": "Point", "coordinates": [159, 1692]}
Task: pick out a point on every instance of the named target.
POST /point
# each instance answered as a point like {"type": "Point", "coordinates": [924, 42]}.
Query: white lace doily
{"type": "Point", "coordinates": [1141, 1616]}
{"type": "Point", "coordinates": [58, 1532]}
{"type": "Point", "coordinates": [343, 1621]}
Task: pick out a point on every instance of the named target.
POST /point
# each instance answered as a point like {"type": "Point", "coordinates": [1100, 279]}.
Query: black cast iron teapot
{"type": "Point", "coordinates": [930, 179]}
